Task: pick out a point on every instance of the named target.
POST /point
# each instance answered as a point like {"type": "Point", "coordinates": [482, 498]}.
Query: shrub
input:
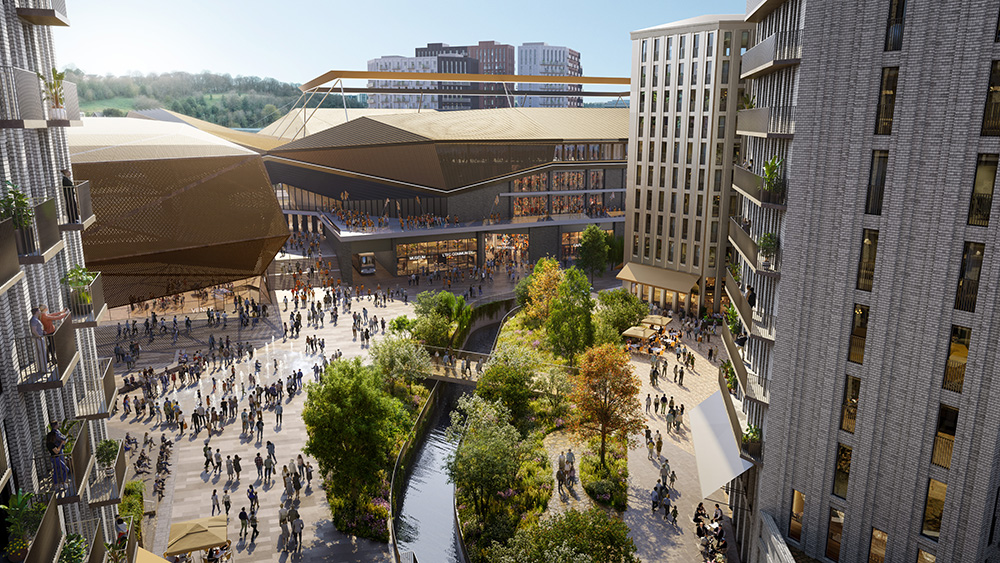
{"type": "Point", "coordinates": [607, 486]}
{"type": "Point", "coordinates": [368, 518]}
{"type": "Point", "coordinates": [131, 505]}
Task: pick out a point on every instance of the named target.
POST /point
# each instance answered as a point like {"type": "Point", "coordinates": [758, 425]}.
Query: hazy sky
{"type": "Point", "coordinates": [296, 40]}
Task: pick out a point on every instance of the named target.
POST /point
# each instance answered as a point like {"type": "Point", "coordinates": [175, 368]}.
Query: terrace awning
{"type": "Point", "coordinates": [715, 447]}
{"type": "Point", "coordinates": [671, 280]}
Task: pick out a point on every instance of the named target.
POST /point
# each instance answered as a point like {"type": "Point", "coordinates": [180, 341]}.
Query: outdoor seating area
{"type": "Point", "coordinates": [204, 539]}
{"type": "Point", "coordinates": [652, 338]}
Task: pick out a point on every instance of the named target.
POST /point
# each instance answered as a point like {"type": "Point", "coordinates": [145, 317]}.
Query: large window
{"type": "Point", "coordinates": [991, 115]}
{"type": "Point", "coordinates": [934, 509]}
{"type": "Point", "coordinates": [968, 277]}
{"type": "Point", "coordinates": [958, 356]}
{"type": "Point", "coordinates": [876, 550]}
{"type": "Point", "coordinates": [842, 470]}
{"type": "Point", "coordinates": [894, 27]}
{"type": "Point", "coordinates": [944, 438]}
{"type": "Point", "coordinates": [876, 182]}
{"type": "Point", "coordinates": [532, 183]}
{"type": "Point", "coordinates": [795, 518]}
{"type": "Point", "coordinates": [866, 264]}
{"type": "Point", "coordinates": [834, 531]}
{"type": "Point", "coordinates": [530, 206]}
{"type": "Point", "coordinates": [412, 258]}
{"type": "Point", "coordinates": [849, 410]}
{"type": "Point", "coordinates": [886, 101]}
{"type": "Point", "coordinates": [925, 557]}
{"type": "Point", "coordinates": [982, 190]}
{"type": "Point", "coordinates": [859, 332]}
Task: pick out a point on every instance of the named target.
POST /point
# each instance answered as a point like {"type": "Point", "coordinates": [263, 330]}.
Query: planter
{"type": "Point", "coordinates": [17, 555]}
{"type": "Point", "coordinates": [25, 240]}
{"type": "Point", "coordinates": [58, 114]}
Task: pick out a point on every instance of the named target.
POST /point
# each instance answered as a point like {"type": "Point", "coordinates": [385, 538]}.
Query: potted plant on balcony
{"type": "Point", "coordinates": [107, 453]}
{"type": "Point", "coordinates": [748, 102]}
{"type": "Point", "coordinates": [53, 90]}
{"type": "Point", "coordinates": [735, 271]}
{"type": "Point", "coordinates": [19, 516]}
{"type": "Point", "coordinates": [772, 177]}
{"type": "Point", "coordinates": [752, 434]}
{"type": "Point", "coordinates": [768, 246]}
{"type": "Point", "coordinates": [730, 374]}
{"type": "Point", "coordinates": [15, 205]}
{"type": "Point", "coordinates": [74, 549]}
{"type": "Point", "coordinates": [79, 279]}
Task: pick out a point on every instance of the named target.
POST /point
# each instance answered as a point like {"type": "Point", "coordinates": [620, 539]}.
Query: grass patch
{"type": "Point", "coordinates": [606, 485]}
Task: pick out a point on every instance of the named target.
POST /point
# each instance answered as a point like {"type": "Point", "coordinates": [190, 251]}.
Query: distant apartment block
{"type": "Point", "coordinates": [442, 63]}
{"type": "Point", "coordinates": [493, 57]}
{"type": "Point", "coordinates": [542, 59]}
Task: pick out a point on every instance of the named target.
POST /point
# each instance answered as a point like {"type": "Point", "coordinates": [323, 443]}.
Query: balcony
{"type": "Point", "coordinates": [62, 359]}
{"type": "Point", "coordinates": [106, 485]}
{"type": "Point", "coordinates": [21, 92]}
{"type": "Point", "coordinates": [943, 446]}
{"type": "Point", "coordinates": [753, 450]}
{"type": "Point", "coordinates": [772, 123]}
{"type": "Point", "coordinates": [10, 269]}
{"type": "Point", "coordinates": [44, 546]}
{"type": "Point", "coordinates": [752, 186]}
{"type": "Point", "coordinates": [734, 415]}
{"type": "Point", "coordinates": [78, 207]}
{"type": "Point", "coordinates": [78, 456]}
{"type": "Point", "coordinates": [98, 553]}
{"type": "Point", "coordinates": [45, 12]}
{"type": "Point", "coordinates": [90, 530]}
{"type": "Point", "coordinates": [954, 375]}
{"type": "Point", "coordinates": [127, 543]}
{"type": "Point", "coordinates": [778, 51]}
{"type": "Point", "coordinates": [757, 10]}
{"type": "Point", "coordinates": [86, 303]}
{"type": "Point", "coordinates": [69, 114]}
{"type": "Point", "coordinates": [39, 240]}
{"type": "Point", "coordinates": [95, 397]}
{"type": "Point", "coordinates": [757, 323]}
{"type": "Point", "coordinates": [739, 236]}
{"type": "Point", "coordinates": [734, 356]}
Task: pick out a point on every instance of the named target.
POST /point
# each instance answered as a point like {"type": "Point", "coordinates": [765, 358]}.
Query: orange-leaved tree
{"type": "Point", "coordinates": [544, 289]}
{"type": "Point", "coordinates": [606, 394]}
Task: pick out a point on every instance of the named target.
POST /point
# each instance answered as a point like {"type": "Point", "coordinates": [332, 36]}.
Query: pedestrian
{"type": "Point", "coordinates": [659, 445]}
{"type": "Point", "coordinates": [236, 466]}
{"type": "Point", "coordinates": [297, 526]}
{"type": "Point", "coordinates": [268, 469]}
{"type": "Point", "coordinates": [253, 526]}
{"type": "Point", "coordinates": [654, 497]}
{"type": "Point", "coordinates": [570, 458]}
{"type": "Point", "coordinates": [296, 484]}
{"type": "Point", "coordinates": [309, 473]}
{"type": "Point", "coordinates": [285, 538]}
{"type": "Point", "coordinates": [561, 479]}
{"type": "Point", "coordinates": [673, 477]}
{"type": "Point", "coordinates": [229, 467]}
{"type": "Point", "coordinates": [277, 414]}
{"type": "Point", "coordinates": [244, 519]}
{"type": "Point", "coordinates": [259, 463]}
{"type": "Point", "coordinates": [226, 501]}
{"type": "Point", "coordinates": [673, 514]}
{"type": "Point", "coordinates": [649, 446]}
{"type": "Point", "coordinates": [270, 451]}
{"type": "Point", "coordinates": [218, 462]}
{"type": "Point", "coordinates": [656, 405]}
{"type": "Point", "coordinates": [215, 502]}
{"type": "Point", "coordinates": [252, 497]}
{"type": "Point", "coordinates": [260, 429]}
{"type": "Point", "coordinates": [680, 380]}
{"type": "Point", "coordinates": [562, 461]}
{"type": "Point", "coordinates": [301, 465]}
{"type": "Point", "coordinates": [649, 401]}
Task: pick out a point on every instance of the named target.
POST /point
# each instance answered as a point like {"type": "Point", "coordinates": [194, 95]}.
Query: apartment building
{"type": "Point", "coordinates": [684, 94]}
{"type": "Point", "coordinates": [871, 139]}
{"type": "Point", "coordinates": [493, 57]}
{"type": "Point", "coordinates": [444, 62]}
{"type": "Point", "coordinates": [56, 377]}
{"type": "Point", "coordinates": [542, 59]}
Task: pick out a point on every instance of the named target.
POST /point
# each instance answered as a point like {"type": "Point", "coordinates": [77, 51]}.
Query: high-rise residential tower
{"type": "Point", "coordinates": [49, 370]}
{"type": "Point", "coordinates": [542, 59]}
{"type": "Point", "coordinates": [493, 57]}
{"type": "Point", "coordinates": [445, 62]}
{"type": "Point", "coordinates": [685, 90]}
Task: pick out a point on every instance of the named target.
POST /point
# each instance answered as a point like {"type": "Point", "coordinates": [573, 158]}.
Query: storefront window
{"type": "Point", "coordinates": [505, 248]}
{"type": "Point", "coordinates": [532, 183]}
{"type": "Point", "coordinates": [568, 204]}
{"type": "Point", "coordinates": [529, 206]}
{"type": "Point", "coordinates": [570, 249]}
{"type": "Point", "coordinates": [596, 180]}
{"type": "Point", "coordinates": [568, 180]}
{"type": "Point", "coordinates": [420, 257]}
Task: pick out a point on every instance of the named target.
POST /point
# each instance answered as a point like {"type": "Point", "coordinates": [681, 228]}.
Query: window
{"type": "Point", "coordinates": [795, 517]}
{"type": "Point", "coordinates": [645, 248]}
{"type": "Point", "coordinates": [707, 100]}
{"type": "Point", "coordinates": [687, 204]}
{"type": "Point", "coordinates": [720, 152]}
{"type": "Point", "coordinates": [649, 175]}
{"type": "Point", "coordinates": [642, 121]}
{"type": "Point", "coordinates": [714, 232]}
{"type": "Point", "coordinates": [684, 253]}
{"type": "Point", "coordinates": [677, 149]}
{"type": "Point", "coordinates": [866, 264]}
{"type": "Point", "coordinates": [958, 356]}
{"type": "Point", "coordinates": [727, 44]}
{"type": "Point", "coordinates": [876, 182]}
{"type": "Point", "coordinates": [700, 207]}
{"type": "Point", "coordinates": [684, 229]}
{"type": "Point", "coordinates": [638, 194]}
{"type": "Point", "coordinates": [724, 73]}
{"type": "Point", "coordinates": [708, 72]}
{"type": "Point", "coordinates": [697, 256]}
{"type": "Point", "coordinates": [656, 79]}
{"type": "Point", "coordinates": [834, 530]}
{"type": "Point", "coordinates": [887, 101]}
{"type": "Point", "coordinates": [690, 146]}
{"type": "Point", "coordinates": [670, 48]}
{"type": "Point", "coordinates": [670, 251]}
{"type": "Point", "coordinates": [663, 178]}
{"type": "Point", "coordinates": [642, 77]}
{"type": "Point", "coordinates": [925, 557]}
{"type": "Point", "coordinates": [708, 46]}
{"type": "Point", "coordinates": [638, 172]}
{"type": "Point", "coordinates": [652, 122]}
{"type": "Point", "coordinates": [711, 257]}
{"type": "Point", "coordinates": [993, 522]}
{"type": "Point", "coordinates": [968, 277]}
{"type": "Point", "coordinates": [849, 410]}
{"type": "Point", "coordinates": [859, 332]}
{"type": "Point", "coordinates": [697, 231]}
{"type": "Point", "coordinates": [673, 225]}
{"type": "Point", "coordinates": [643, 50]}
{"type": "Point", "coordinates": [663, 151]}
{"type": "Point", "coordinates": [694, 73]}
{"type": "Point", "coordinates": [694, 44]}
{"type": "Point", "coordinates": [680, 106]}
{"type": "Point", "coordinates": [876, 551]}
{"type": "Point", "coordinates": [703, 152]}
{"type": "Point", "coordinates": [690, 134]}
{"type": "Point", "coordinates": [982, 190]}
{"type": "Point", "coordinates": [666, 102]}
{"type": "Point", "coordinates": [659, 225]}
{"type": "Point", "coordinates": [649, 220]}
{"type": "Point", "coordinates": [649, 194]}
{"type": "Point", "coordinates": [635, 243]}
{"type": "Point", "coordinates": [680, 51]}
{"type": "Point", "coordinates": [673, 198]}
{"type": "Point", "coordinates": [659, 249]}
{"type": "Point", "coordinates": [894, 27]}
{"type": "Point", "coordinates": [944, 438]}
{"type": "Point", "coordinates": [656, 49]}
{"type": "Point", "coordinates": [659, 204]}
{"type": "Point", "coordinates": [680, 74]}
{"type": "Point", "coordinates": [691, 99]}
{"type": "Point", "coordinates": [842, 470]}
{"type": "Point", "coordinates": [635, 222]}
{"type": "Point", "coordinates": [934, 509]}
{"type": "Point", "coordinates": [723, 98]}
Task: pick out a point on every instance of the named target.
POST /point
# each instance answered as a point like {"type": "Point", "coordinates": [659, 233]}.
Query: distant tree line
{"type": "Point", "coordinates": [241, 101]}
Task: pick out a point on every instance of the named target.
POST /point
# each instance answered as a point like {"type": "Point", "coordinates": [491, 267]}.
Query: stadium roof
{"type": "Point", "coordinates": [110, 139]}
{"type": "Point", "coordinates": [259, 142]}
{"type": "Point", "coordinates": [290, 126]}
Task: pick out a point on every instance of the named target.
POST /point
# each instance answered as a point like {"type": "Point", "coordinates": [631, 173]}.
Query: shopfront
{"type": "Point", "coordinates": [570, 246]}
{"type": "Point", "coordinates": [507, 248]}
{"type": "Point", "coordinates": [432, 256]}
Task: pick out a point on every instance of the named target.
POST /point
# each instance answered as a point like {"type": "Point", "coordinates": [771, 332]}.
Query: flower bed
{"type": "Point", "coordinates": [606, 485]}
{"type": "Point", "coordinates": [369, 520]}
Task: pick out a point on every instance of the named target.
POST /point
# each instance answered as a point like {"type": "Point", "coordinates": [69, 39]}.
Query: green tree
{"type": "Point", "coordinates": [616, 248]}
{"type": "Point", "coordinates": [571, 537]}
{"type": "Point", "coordinates": [401, 325]}
{"type": "Point", "coordinates": [555, 388]}
{"type": "Point", "coordinates": [353, 425]}
{"type": "Point", "coordinates": [543, 290]}
{"type": "Point", "coordinates": [593, 256]}
{"type": "Point", "coordinates": [606, 394]}
{"type": "Point", "coordinates": [508, 379]}
{"type": "Point", "coordinates": [522, 291]}
{"type": "Point", "coordinates": [112, 112]}
{"type": "Point", "coordinates": [400, 358]}
{"type": "Point", "coordinates": [620, 309]}
{"type": "Point", "coordinates": [432, 330]}
{"type": "Point", "coordinates": [570, 326]}
{"type": "Point", "coordinates": [487, 460]}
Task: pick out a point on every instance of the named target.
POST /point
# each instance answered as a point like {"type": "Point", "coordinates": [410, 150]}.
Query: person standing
{"type": "Point", "coordinates": [259, 463]}
{"type": "Point", "coordinates": [285, 538]}
{"type": "Point", "coordinates": [268, 469]}
{"type": "Point", "coordinates": [226, 501]}
{"type": "Point", "coordinates": [270, 451]}
{"type": "Point", "coordinates": [215, 502]}
{"type": "Point", "coordinates": [229, 467]}
{"type": "Point", "coordinates": [260, 429]}
{"type": "Point", "coordinates": [659, 444]}
{"type": "Point", "coordinates": [649, 401]}
{"type": "Point", "coordinates": [309, 473]}
{"type": "Point", "coordinates": [236, 466]}
{"type": "Point", "coordinates": [218, 461]}
{"type": "Point", "coordinates": [277, 414]}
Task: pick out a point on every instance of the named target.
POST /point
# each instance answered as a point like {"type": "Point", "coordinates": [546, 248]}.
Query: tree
{"type": "Point", "coordinates": [353, 425]}
{"type": "Point", "coordinates": [616, 248]}
{"type": "Point", "coordinates": [606, 394]}
{"type": "Point", "coordinates": [555, 388]}
{"type": "Point", "coordinates": [112, 112]}
{"type": "Point", "coordinates": [487, 460]}
{"type": "Point", "coordinates": [432, 330]}
{"type": "Point", "coordinates": [400, 357]}
{"type": "Point", "coordinates": [446, 305]}
{"type": "Point", "coordinates": [508, 379]}
{"type": "Point", "coordinates": [544, 285]}
{"type": "Point", "coordinates": [593, 536]}
{"type": "Point", "coordinates": [522, 291]}
{"type": "Point", "coordinates": [620, 309]}
{"type": "Point", "coordinates": [569, 326]}
{"type": "Point", "coordinates": [594, 248]}
{"type": "Point", "coordinates": [401, 325]}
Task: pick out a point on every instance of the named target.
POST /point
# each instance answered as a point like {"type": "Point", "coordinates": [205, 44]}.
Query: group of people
{"type": "Point", "coordinates": [566, 472]}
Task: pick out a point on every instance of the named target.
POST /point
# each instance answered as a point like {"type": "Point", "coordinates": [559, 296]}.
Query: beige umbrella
{"type": "Point", "coordinates": [656, 320]}
{"type": "Point", "coordinates": [638, 332]}
{"type": "Point", "coordinates": [197, 535]}
{"type": "Point", "coordinates": [143, 556]}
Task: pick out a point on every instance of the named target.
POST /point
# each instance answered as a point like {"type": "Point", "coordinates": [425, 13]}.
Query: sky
{"type": "Point", "coordinates": [297, 40]}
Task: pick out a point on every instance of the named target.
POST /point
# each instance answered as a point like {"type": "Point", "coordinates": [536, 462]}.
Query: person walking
{"type": "Point", "coordinates": [296, 484]}
{"type": "Point", "coordinates": [260, 429]}
{"type": "Point", "coordinates": [229, 467]}
{"type": "Point", "coordinates": [285, 537]}
{"type": "Point", "coordinates": [277, 414]}
{"type": "Point", "coordinates": [649, 446]}
{"type": "Point", "coordinates": [270, 451]}
{"type": "Point", "coordinates": [252, 497]}
{"type": "Point", "coordinates": [226, 501]}
{"type": "Point", "coordinates": [659, 445]}
{"type": "Point", "coordinates": [297, 526]}
{"type": "Point", "coordinates": [649, 402]}
{"type": "Point", "coordinates": [268, 469]}
{"type": "Point", "coordinates": [309, 473]}
{"type": "Point", "coordinates": [215, 502]}
{"type": "Point", "coordinates": [259, 463]}
{"type": "Point", "coordinates": [300, 463]}
{"type": "Point", "coordinates": [236, 466]}
{"type": "Point", "coordinates": [244, 519]}
{"type": "Point", "coordinates": [218, 461]}
{"type": "Point", "coordinates": [253, 526]}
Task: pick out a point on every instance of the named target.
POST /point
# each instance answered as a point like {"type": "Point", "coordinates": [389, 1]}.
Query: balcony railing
{"type": "Point", "coordinates": [78, 458]}
{"type": "Point", "coordinates": [753, 450]}
{"type": "Point", "coordinates": [980, 207]}
{"type": "Point", "coordinates": [739, 300]}
{"type": "Point", "coordinates": [10, 269]}
{"type": "Point", "coordinates": [107, 484]}
{"type": "Point", "coordinates": [752, 186]}
{"type": "Point", "coordinates": [98, 553]}
{"type": "Point", "coordinates": [20, 99]}
{"type": "Point", "coordinates": [894, 34]}
{"type": "Point", "coordinates": [78, 207]}
{"type": "Point", "coordinates": [965, 297]}
{"type": "Point", "coordinates": [69, 114]}
{"type": "Point", "coordinates": [734, 356]}
{"type": "Point", "coordinates": [39, 240]}
{"type": "Point", "coordinates": [51, 372]}
{"type": "Point", "coordinates": [954, 375]}
{"type": "Point", "coordinates": [856, 352]}
{"type": "Point", "coordinates": [943, 446]}
{"type": "Point", "coordinates": [734, 420]}
{"type": "Point", "coordinates": [739, 235]}
{"type": "Point", "coordinates": [96, 390]}
{"type": "Point", "coordinates": [866, 276]}
{"type": "Point", "coordinates": [90, 530]}
{"type": "Point", "coordinates": [87, 303]}
{"type": "Point", "coordinates": [47, 540]}
{"type": "Point", "coordinates": [44, 12]}
{"type": "Point", "coordinates": [848, 417]}
{"type": "Point", "coordinates": [778, 122]}
{"type": "Point", "coordinates": [776, 51]}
